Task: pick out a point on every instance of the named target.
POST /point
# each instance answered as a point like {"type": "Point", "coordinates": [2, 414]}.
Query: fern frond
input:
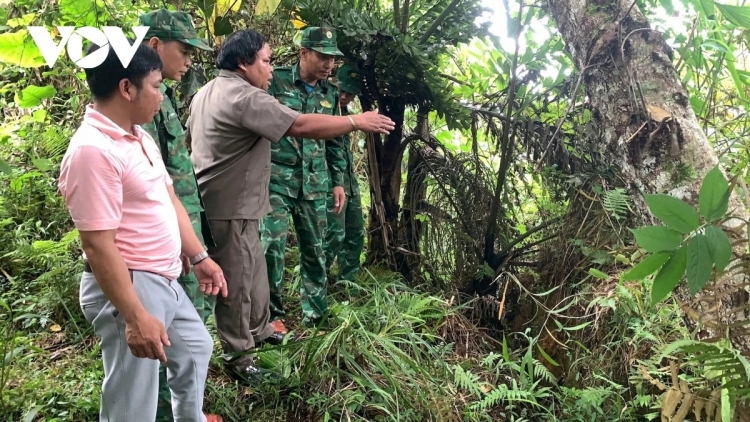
{"type": "Point", "coordinates": [616, 203]}
{"type": "Point", "coordinates": [543, 373]}
{"type": "Point", "coordinates": [466, 380]}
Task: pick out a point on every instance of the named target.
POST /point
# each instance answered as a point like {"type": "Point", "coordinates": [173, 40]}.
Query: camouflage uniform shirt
{"type": "Point", "coordinates": [300, 166]}
{"type": "Point", "coordinates": [169, 134]}
{"type": "Point", "coordinates": [351, 185]}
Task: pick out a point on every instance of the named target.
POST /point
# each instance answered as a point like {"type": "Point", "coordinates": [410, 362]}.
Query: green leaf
{"type": "Point", "coordinates": [719, 246]}
{"type": "Point", "coordinates": [5, 167]}
{"type": "Point", "coordinates": [19, 49]}
{"type": "Point", "coordinates": [222, 26]}
{"type": "Point", "coordinates": [42, 164]}
{"type": "Point", "coordinates": [735, 76]}
{"type": "Point", "coordinates": [598, 274]}
{"type": "Point", "coordinates": [206, 6]}
{"type": "Point", "coordinates": [669, 275]}
{"type": "Point", "coordinates": [738, 15]}
{"type": "Point", "coordinates": [32, 95]}
{"type": "Point", "coordinates": [266, 7]}
{"type": "Point", "coordinates": [82, 12]}
{"type": "Point", "coordinates": [705, 6]}
{"type": "Point", "coordinates": [547, 357]}
{"type": "Point", "coordinates": [714, 195]}
{"type": "Point", "coordinates": [657, 238]}
{"type": "Point", "coordinates": [675, 213]}
{"type": "Point", "coordinates": [699, 265]}
{"type": "Point", "coordinates": [647, 267]}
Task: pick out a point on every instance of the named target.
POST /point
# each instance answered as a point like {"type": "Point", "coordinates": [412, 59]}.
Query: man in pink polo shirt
{"type": "Point", "coordinates": [134, 231]}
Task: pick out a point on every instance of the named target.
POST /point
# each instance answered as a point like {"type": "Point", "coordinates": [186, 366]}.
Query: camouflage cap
{"type": "Point", "coordinates": [171, 25]}
{"type": "Point", "coordinates": [322, 40]}
{"type": "Point", "coordinates": [349, 79]}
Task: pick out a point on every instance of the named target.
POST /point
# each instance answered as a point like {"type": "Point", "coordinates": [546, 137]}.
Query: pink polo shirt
{"type": "Point", "coordinates": [110, 180]}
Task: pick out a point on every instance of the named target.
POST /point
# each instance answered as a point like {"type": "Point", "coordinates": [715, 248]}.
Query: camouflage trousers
{"type": "Point", "coordinates": [310, 221]}
{"type": "Point", "coordinates": [345, 237]}
{"type": "Point", "coordinates": [204, 304]}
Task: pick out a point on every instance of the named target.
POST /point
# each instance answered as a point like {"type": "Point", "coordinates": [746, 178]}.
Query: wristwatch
{"type": "Point", "coordinates": [198, 258]}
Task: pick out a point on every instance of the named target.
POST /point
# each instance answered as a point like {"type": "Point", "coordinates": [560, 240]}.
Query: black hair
{"type": "Point", "coordinates": [241, 47]}
{"type": "Point", "coordinates": [104, 79]}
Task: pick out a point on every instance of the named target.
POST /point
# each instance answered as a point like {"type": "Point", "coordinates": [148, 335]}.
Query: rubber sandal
{"type": "Point", "coordinates": [213, 418]}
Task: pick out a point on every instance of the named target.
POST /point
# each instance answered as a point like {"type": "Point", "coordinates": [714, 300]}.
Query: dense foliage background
{"type": "Point", "coordinates": [513, 271]}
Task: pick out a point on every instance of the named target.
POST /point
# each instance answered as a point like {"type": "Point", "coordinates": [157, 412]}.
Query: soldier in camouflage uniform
{"type": "Point", "coordinates": [299, 184]}
{"type": "Point", "coordinates": [173, 36]}
{"type": "Point", "coordinates": [346, 232]}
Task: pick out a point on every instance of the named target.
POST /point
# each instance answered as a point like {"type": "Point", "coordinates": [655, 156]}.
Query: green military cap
{"type": "Point", "coordinates": [322, 40]}
{"type": "Point", "coordinates": [350, 79]}
{"type": "Point", "coordinates": [170, 25]}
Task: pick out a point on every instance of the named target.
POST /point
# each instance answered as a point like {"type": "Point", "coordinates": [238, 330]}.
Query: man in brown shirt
{"type": "Point", "coordinates": [232, 122]}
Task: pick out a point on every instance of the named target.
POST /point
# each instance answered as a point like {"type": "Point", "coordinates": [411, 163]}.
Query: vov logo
{"type": "Point", "coordinates": [106, 38]}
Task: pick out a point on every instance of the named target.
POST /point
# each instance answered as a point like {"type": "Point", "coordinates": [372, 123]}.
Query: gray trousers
{"type": "Point", "coordinates": [130, 388]}
{"type": "Point", "coordinates": [242, 318]}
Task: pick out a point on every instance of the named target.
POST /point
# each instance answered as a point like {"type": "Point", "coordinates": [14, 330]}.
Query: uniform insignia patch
{"type": "Point", "coordinates": [328, 34]}
{"type": "Point", "coordinates": [325, 103]}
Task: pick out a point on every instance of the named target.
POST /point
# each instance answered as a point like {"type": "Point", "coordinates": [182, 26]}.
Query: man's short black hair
{"type": "Point", "coordinates": [241, 47]}
{"type": "Point", "coordinates": [104, 79]}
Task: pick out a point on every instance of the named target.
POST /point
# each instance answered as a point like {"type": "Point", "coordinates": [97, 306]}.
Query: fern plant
{"type": "Point", "coordinates": [616, 202]}
{"type": "Point", "coordinates": [517, 386]}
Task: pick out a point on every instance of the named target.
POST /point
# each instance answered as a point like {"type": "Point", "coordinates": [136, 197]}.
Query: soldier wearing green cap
{"type": "Point", "coordinates": [302, 173]}
{"type": "Point", "coordinates": [346, 233]}
{"type": "Point", "coordinates": [173, 36]}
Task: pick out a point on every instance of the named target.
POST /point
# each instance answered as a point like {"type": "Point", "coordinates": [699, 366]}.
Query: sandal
{"type": "Point", "coordinates": [213, 418]}
{"type": "Point", "coordinates": [278, 326]}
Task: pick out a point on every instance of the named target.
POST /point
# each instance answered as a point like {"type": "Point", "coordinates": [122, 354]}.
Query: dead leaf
{"type": "Point", "coordinates": [658, 114]}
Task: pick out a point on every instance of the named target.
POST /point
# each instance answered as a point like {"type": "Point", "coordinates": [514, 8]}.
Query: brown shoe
{"type": "Point", "coordinates": [278, 326]}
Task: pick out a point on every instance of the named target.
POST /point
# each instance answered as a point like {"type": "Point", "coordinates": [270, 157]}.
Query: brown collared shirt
{"type": "Point", "coordinates": [231, 126]}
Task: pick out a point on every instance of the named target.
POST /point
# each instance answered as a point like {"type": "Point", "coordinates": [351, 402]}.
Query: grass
{"type": "Point", "coordinates": [385, 360]}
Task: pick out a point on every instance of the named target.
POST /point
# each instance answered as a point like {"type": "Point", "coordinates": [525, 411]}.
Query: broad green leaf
{"type": "Point", "coordinates": [706, 7]}
{"type": "Point", "coordinates": [5, 167]}
{"type": "Point", "coordinates": [82, 12]}
{"type": "Point", "coordinates": [266, 7]}
{"type": "Point", "coordinates": [23, 21]}
{"type": "Point", "coordinates": [669, 275]}
{"type": "Point", "coordinates": [657, 238]}
{"type": "Point", "coordinates": [19, 49]}
{"type": "Point", "coordinates": [42, 164]}
{"type": "Point", "coordinates": [714, 195]}
{"type": "Point", "coordinates": [647, 267]}
{"type": "Point", "coordinates": [222, 26]}
{"type": "Point", "coordinates": [719, 246]}
{"type": "Point", "coordinates": [738, 15]}
{"type": "Point", "coordinates": [206, 6]}
{"type": "Point", "coordinates": [675, 213]}
{"type": "Point", "coordinates": [32, 95]}
{"type": "Point", "coordinates": [699, 264]}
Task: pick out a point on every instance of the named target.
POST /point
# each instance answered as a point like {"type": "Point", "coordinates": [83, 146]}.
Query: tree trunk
{"type": "Point", "coordinates": [630, 82]}
{"type": "Point", "coordinates": [385, 186]}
